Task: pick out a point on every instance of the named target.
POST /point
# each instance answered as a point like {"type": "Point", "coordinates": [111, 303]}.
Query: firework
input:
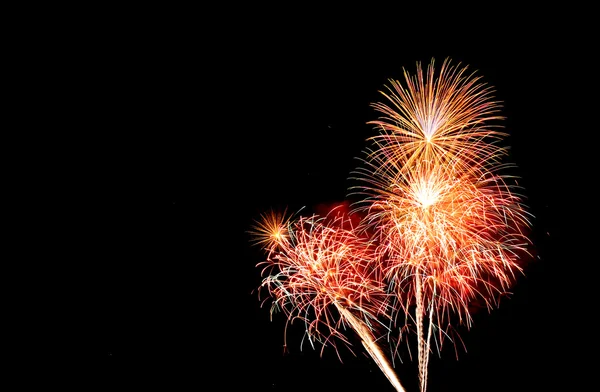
{"type": "Point", "coordinates": [320, 271]}
{"type": "Point", "coordinates": [444, 117]}
{"type": "Point", "coordinates": [449, 226]}
{"type": "Point", "coordinates": [443, 226]}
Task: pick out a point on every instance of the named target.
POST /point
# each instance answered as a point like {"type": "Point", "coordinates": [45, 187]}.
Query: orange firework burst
{"type": "Point", "coordinates": [448, 224]}
{"type": "Point", "coordinates": [323, 273]}
{"type": "Point", "coordinates": [444, 117]}
{"type": "Point", "coordinates": [272, 230]}
{"type": "Point", "coordinates": [448, 240]}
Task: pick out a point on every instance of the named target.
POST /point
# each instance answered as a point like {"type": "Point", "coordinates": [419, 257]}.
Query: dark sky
{"type": "Point", "coordinates": [199, 130]}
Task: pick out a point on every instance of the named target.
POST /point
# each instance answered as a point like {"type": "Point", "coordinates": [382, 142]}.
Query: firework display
{"type": "Point", "coordinates": [442, 225]}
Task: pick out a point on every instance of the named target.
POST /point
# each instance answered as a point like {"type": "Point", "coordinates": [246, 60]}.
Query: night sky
{"type": "Point", "coordinates": [200, 132]}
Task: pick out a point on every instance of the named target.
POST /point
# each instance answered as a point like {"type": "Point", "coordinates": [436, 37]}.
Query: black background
{"type": "Point", "coordinates": [200, 121]}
